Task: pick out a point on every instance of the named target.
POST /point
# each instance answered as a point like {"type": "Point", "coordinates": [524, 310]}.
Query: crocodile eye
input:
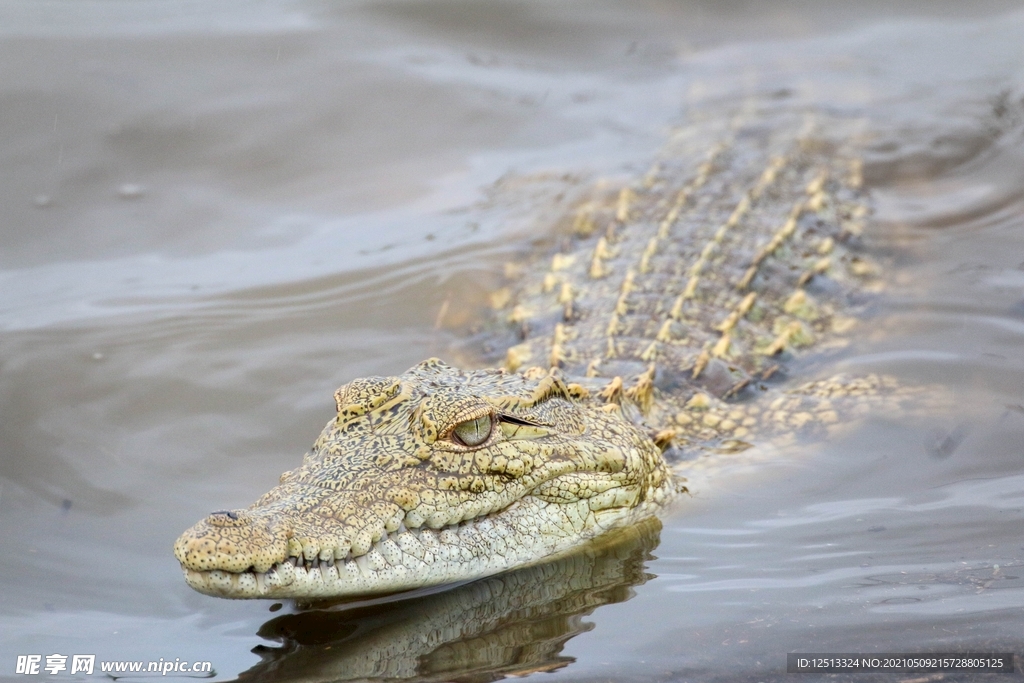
{"type": "Point", "coordinates": [473, 432]}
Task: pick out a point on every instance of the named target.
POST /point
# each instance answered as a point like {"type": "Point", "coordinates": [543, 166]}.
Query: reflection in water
{"type": "Point", "coordinates": [512, 624]}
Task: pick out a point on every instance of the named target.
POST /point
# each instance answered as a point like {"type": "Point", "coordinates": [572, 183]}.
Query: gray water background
{"type": "Point", "coordinates": [215, 214]}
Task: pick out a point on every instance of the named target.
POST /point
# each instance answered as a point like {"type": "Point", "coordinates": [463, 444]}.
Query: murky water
{"type": "Point", "coordinates": [215, 214]}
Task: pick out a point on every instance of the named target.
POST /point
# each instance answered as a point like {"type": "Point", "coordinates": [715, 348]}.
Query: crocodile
{"type": "Point", "coordinates": [661, 325]}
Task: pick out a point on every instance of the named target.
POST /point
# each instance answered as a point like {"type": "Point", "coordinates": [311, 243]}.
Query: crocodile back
{"type": "Point", "coordinates": [734, 253]}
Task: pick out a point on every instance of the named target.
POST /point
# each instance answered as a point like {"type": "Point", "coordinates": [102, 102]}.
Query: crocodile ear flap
{"type": "Point", "coordinates": [560, 386]}
{"type": "Point", "coordinates": [550, 385]}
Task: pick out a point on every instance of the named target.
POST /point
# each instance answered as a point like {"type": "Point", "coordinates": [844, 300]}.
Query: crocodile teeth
{"type": "Point", "coordinates": [402, 559]}
{"type": "Point", "coordinates": [287, 572]}
{"type": "Point", "coordinates": [273, 578]}
{"type": "Point", "coordinates": [195, 578]}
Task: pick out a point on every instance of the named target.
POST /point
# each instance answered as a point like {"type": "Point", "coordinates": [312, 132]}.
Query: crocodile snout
{"type": "Point", "coordinates": [233, 541]}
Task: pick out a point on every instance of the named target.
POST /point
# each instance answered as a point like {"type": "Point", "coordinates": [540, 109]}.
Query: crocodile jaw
{"type": "Point", "coordinates": [529, 531]}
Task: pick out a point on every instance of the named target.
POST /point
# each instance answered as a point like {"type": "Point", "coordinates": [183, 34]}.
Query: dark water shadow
{"type": "Point", "coordinates": [512, 624]}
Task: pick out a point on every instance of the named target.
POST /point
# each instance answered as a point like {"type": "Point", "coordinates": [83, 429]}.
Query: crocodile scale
{"type": "Point", "coordinates": [657, 329]}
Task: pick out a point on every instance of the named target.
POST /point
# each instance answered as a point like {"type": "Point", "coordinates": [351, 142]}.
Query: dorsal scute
{"type": "Point", "coordinates": [531, 388]}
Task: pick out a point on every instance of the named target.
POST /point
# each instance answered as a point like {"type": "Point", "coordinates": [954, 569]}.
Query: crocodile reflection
{"type": "Point", "coordinates": [512, 624]}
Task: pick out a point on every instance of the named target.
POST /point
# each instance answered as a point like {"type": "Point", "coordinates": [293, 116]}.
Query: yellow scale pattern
{"type": "Point", "coordinates": [686, 295]}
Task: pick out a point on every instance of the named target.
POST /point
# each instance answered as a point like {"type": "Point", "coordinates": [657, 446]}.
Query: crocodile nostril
{"type": "Point", "coordinates": [229, 513]}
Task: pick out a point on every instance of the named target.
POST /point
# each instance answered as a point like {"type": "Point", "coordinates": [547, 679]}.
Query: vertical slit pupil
{"type": "Point", "coordinates": [474, 432]}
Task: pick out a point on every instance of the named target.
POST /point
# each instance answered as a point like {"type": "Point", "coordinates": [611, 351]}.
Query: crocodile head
{"type": "Point", "coordinates": [431, 477]}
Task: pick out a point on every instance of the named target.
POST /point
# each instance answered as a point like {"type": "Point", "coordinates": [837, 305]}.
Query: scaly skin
{"type": "Point", "coordinates": [389, 499]}
{"type": "Point", "coordinates": [667, 310]}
